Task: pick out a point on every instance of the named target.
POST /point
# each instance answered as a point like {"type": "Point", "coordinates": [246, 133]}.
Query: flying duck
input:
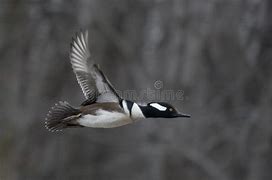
{"type": "Point", "coordinates": [103, 107]}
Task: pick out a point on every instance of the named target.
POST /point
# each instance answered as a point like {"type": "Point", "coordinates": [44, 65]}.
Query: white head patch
{"type": "Point", "coordinates": [158, 106]}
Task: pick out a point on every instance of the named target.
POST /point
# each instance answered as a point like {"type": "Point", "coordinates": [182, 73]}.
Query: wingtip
{"type": "Point", "coordinates": [73, 40]}
{"type": "Point", "coordinates": [79, 44]}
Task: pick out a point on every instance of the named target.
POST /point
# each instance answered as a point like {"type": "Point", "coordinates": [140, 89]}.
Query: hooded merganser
{"type": "Point", "coordinates": [103, 107]}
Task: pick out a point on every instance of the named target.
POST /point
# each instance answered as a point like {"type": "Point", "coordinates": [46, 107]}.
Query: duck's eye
{"type": "Point", "coordinates": [170, 109]}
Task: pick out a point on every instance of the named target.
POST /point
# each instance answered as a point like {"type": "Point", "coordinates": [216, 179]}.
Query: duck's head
{"type": "Point", "coordinates": [161, 110]}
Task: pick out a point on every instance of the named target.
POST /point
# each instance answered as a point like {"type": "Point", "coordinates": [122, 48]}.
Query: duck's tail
{"type": "Point", "coordinates": [61, 116]}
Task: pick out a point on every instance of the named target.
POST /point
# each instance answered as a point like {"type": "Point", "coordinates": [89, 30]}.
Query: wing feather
{"type": "Point", "coordinates": [94, 84]}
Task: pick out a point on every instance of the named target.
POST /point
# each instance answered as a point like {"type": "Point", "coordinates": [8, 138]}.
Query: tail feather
{"type": "Point", "coordinates": [60, 116]}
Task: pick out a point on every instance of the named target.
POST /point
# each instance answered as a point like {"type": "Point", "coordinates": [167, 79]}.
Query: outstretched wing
{"type": "Point", "coordinates": [94, 84]}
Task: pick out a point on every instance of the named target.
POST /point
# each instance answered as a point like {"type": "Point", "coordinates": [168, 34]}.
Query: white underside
{"type": "Point", "coordinates": [105, 119]}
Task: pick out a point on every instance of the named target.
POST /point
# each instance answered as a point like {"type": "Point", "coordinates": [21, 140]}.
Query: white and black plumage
{"type": "Point", "coordinates": [103, 107]}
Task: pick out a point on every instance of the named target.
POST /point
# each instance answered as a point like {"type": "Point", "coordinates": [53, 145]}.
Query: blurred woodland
{"type": "Point", "coordinates": [217, 51]}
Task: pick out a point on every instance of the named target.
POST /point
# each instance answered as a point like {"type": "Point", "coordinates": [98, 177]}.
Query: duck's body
{"type": "Point", "coordinates": [103, 107]}
{"type": "Point", "coordinates": [108, 115]}
{"type": "Point", "coordinates": [111, 115]}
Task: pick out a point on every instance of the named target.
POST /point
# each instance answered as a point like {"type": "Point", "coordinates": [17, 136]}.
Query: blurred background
{"type": "Point", "coordinates": [217, 52]}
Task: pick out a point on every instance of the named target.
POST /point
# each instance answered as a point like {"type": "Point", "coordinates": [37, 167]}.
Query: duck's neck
{"type": "Point", "coordinates": [132, 109]}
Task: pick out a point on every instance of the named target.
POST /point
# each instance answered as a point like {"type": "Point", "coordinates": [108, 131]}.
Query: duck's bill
{"type": "Point", "coordinates": [183, 115]}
